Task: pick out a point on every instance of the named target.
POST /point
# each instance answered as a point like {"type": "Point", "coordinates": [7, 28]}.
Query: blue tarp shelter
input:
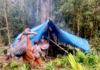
{"type": "Point", "coordinates": [62, 36]}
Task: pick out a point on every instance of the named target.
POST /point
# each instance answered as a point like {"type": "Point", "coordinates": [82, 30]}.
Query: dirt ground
{"type": "Point", "coordinates": [6, 58]}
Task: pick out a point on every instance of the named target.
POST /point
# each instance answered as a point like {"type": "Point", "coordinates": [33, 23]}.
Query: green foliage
{"type": "Point", "coordinates": [58, 62]}
{"type": "Point", "coordinates": [80, 57]}
{"type": "Point", "coordinates": [38, 67]}
{"type": "Point", "coordinates": [72, 62]}
{"type": "Point", "coordinates": [5, 65]}
{"type": "Point", "coordinates": [64, 13]}
{"type": "Point", "coordinates": [24, 67]}
{"type": "Point", "coordinates": [61, 62]}
{"type": "Point", "coordinates": [75, 66]}
{"type": "Point", "coordinates": [13, 64]}
{"type": "Point", "coordinates": [92, 60]}
{"type": "Point", "coordinates": [88, 59]}
{"type": "Point", "coordinates": [80, 61]}
{"type": "Point", "coordinates": [49, 66]}
{"type": "Point", "coordinates": [15, 68]}
{"type": "Point", "coordinates": [96, 43]}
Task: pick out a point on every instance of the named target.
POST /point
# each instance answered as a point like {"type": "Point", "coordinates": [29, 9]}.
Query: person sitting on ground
{"type": "Point", "coordinates": [43, 46]}
{"type": "Point", "coordinates": [37, 54]}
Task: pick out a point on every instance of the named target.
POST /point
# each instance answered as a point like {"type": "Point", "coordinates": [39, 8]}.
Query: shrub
{"type": "Point", "coordinates": [80, 57]}
{"type": "Point", "coordinates": [61, 61]}
{"type": "Point", "coordinates": [96, 43]}
{"type": "Point", "coordinates": [92, 60]}
{"type": "Point", "coordinates": [24, 67]}
{"type": "Point", "coordinates": [13, 64]}
{"type": "Point", "coordinates": [5, 65]}
{"type": "Point", "coordinates": [89, 59]}
{"type": "Point", "coordinates": [49, 66]}
{"type": "Point", "coordinates": [57, 62]}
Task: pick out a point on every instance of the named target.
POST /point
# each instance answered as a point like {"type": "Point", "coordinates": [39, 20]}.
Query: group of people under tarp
{"type": "Point", "coordinates": [23, 49]}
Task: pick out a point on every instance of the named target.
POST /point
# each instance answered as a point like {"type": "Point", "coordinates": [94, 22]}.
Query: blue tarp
{"type": "Point", "coordinates": [63, 36]}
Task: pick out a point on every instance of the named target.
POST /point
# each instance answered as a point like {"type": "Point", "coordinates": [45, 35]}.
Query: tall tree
{"type": "Point", "coordinates": [51, 9]}
{"type": "Point", "coordinates": [24, 24]}
{"type": "Point", "coordinates": [78, 23]}
{"type": "Point", "coordinates": [0, 39]}
{"type": "Point", "coordinates": [7, 24]}
{"type": "Point", "coordinates": [44, 10]}
{"type": "Point", "coordinates": [37, 9]}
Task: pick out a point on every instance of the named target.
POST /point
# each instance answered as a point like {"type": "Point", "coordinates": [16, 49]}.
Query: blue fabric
{"type": "Point", "coordinates": [68, 38]}
{"type": "Point", "coordinates": [77, 41]}
{"type": "Point", "coordinates": [63, 36]}
{"type": "Point", "coordinates": [39, 30]}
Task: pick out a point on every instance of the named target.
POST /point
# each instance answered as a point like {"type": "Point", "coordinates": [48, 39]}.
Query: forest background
{"type": "Point", "coordinates": [79, 17]}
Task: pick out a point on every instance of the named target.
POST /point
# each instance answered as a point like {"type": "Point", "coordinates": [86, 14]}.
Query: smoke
{"type": "Point", "coordinates": [33, 12]}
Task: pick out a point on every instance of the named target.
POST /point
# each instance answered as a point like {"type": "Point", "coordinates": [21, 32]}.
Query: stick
{"type": "Point", "coordinates": [57, 45]}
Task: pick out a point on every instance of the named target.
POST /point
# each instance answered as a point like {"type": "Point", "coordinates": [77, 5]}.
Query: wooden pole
{"type": "Point", "coordinates": [50, 42]}
{"type": "Point", "coordinates": [57, 44]}
{"type": "Point", "coordinates": [24, 24]}
{"type": "Point", "coordinates": [48, 37]}
{"type": "Point", "coordinates": [7, 24]}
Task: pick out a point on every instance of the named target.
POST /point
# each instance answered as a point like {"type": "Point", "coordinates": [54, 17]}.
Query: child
{"type": "Point", "coordinates": [37, 54]}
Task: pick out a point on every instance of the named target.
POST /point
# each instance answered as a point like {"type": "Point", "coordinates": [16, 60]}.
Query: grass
{"type": "Point", "coordinates": [63, 63]}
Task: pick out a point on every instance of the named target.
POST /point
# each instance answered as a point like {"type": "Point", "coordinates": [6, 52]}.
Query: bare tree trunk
{"type": "Point", "coordinates": [44, 10]}
{"type": "Point", "coordinates": [0, 39]}
{"type": "Point", "coordinates": [78, 23]}
{"type": "Point", "coordinates": [93, 26]}
{"type": "Point", "coordinates": [85, 33]}
{"type": "Point", "coordinates": [91, 34]}
{"type": "Point", "coordinates": [37, 6]}
{"type": "Point", "coordinates": [51, 9]}
{"type": "Point", "coordinates": [24, 24]}
{"type": "Point", "coordinates": [37, 12]}
{"type": "Point", "coordinates": [7, 24]}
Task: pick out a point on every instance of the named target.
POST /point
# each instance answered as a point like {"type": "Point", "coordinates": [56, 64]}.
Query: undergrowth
{"type": "Point", "coordinates": [88, 61]}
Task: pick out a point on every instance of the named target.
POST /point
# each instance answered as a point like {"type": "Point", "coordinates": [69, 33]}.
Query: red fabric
{"type": "Point", "coordinates": [37, 62]}
{"type": "Point", "coordinates": [28, 57]}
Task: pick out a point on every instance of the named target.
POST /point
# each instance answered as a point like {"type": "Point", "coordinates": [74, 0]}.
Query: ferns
{"type": "Point", "coordinates": [61, 62]}
{"type": "Point", "coordinates": [89, 59]}
{"type": "Point", "coordinates": [14, 64]}
{"type": "Point", "coordinates": [24, 67]}
{"type": "Point", "coordinates": [49, 66]}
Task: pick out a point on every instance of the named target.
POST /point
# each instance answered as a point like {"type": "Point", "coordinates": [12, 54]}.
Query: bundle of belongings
{"type": "Point", "coordinates": [20, 47]}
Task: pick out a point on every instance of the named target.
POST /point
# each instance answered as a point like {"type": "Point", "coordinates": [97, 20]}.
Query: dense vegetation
{"type": "Point", "coordinates": [79, 17]}
{"type": "Point", "coordinates": [80, 61]}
